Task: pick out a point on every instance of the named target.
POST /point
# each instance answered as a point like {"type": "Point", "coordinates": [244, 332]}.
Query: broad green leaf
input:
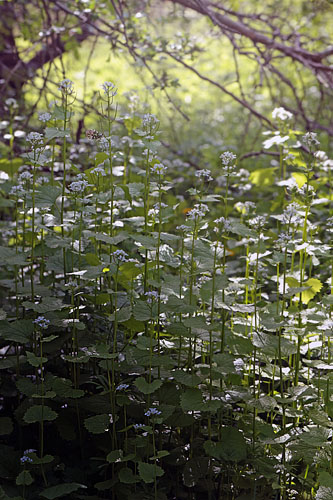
{"type": "Point", "coordinates": [263, 176]}
{"type": "Point", "coordinates": [34, 360]}
{"type": "Point", "coordinates": [145, 387]}
{"type": "Point", "coordinates": [126, 476]}
{"type": "Point", "coordinates": [115, 456]}
{"type": "Point", "coordinates": [100, 158]}
{"type": "Point", "coordinates": [313, 286]}
{"type": "Point", "coordinates": [98, 424]}
{"type": "Point", "coordinates": [232, 446]}
{"type": "Point", "coordinates": [10, 166]}
{"type": "Point", "coordinates": [17, 331]}
{"type": "Point", "coordinates": [61, 490]}
{"type": "Point", "coordinates": [142, 311]}
{"type": "Point", "coordinates": [185, 378]}
{"type": "Point", "coordinates": [24, 478]}
{"type": "Point", "coordinates": [191, 400]}
{"type": "Point", "coordinates": [299, 178]}
{"type": "Point", "coordinates": [63, 388]}
{"type": "Point", "coordinates": [149, 472]}
{"type": "Point", "coordinates": [46, 196]}
{"type": "Point", "coordinates": [38, 413]}
{"type": "Point", "coordinates": [53, 132]}
{"type": "Point", "coordinates": [326, 479]}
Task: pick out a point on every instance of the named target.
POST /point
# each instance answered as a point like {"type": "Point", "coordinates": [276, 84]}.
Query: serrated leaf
{"type": "Point", "coordinates": [34, 360]}
{"type": "Point", "coordinates": [149, 472]}
{"type": "Point", "coordinates": [63, 388]}
{"type": "Point", "coordinates": [98, 424]}
{"type": "Point", "coordinates": [46, 196]}
{"type": "Point", "coordinates": [145, 387]}
{"type": "Point", "coordinates": [38, 413]}
{"type": "Point", "coordinates": [126, 476]}
{"type": "Point", "coordinates": [232, 446]}
{"type": "Point", "coordinates": [60, 490]}
{"type": "Point", "coordinates": [18, 331]}
{"type": "Point", "coordinates": [142, 311]}
{"type": "Point", "coordinates": [191, 400]}
{"type": "Point", "coordinates": [24, 478]}
{"type": "Point", "coordinates": [185, 378]}
{"type": "Point", "coordinates": [115, 456]}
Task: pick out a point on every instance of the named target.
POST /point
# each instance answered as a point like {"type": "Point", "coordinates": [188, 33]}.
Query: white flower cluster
{"type": "Point", "coordinates": [98, 171]}
{"type": "Point", "coordinates": [44, 117]}
{"type": "Point", "coordinates": [281, 114]}
{"type": "Point", "coordinates": [223, 223]}
{"type": "Point", "coordinates": [310, 139]}
{"type": "Point", "coordinates": [151, 296]}
{"type": "Point", "coordinates": [109, 89]}
{"type": "Point", "coordinates": [275, 140]}
{"type": "Point", "coordinates": [158, 168]}
{"type": "Point", "coordinates": [258, 222]}
{"type": "Point", "coordinates": [228, 158]}
{"type": "Point", "coordinates": [204, 174]}
{"type": "Point", "coordinates": [120, 256]}
{"type": "Point", "coordinates": [25, 176]}
{"type": "Point", "coordinates": [66, 87]}
{"type": "Point", "coordinates": [35, 138]}
{"type": "Point", "coordinates": [291, 214]}
{"type": "Point", "coordinates": [199, 210]}
{"type": "Point", "coordinates": [78, 186]}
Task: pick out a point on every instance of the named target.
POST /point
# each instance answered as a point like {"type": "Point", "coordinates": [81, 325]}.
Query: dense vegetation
{"type": "Point", "coordinates": [166, 295]}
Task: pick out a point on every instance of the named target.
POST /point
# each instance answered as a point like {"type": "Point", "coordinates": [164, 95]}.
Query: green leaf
{"type": "Point", "coordinates": [10, 166]}
{"type": "Point", "coordinates": [263, 176]}
{"type": "Point", "coordinates": [60, 490]}
{"type": "Point", "coordinates": [189, 379]}
{"type": "Point", "coordinates": [18, 331]}
{"type": "Point", "coordinates": [98, 424]}
{"type": "Point", "coordinates": [313, 286]}
{"type": "Point", "coordinates": [149, 472]}
{"type": "Point", "coordinates": [141, 311]}
{"type": "Point", "coordinates": [46, 196]}
{"type": "Point", "coordinates": [63, 388]}
{"type": "Point", "coordinates": [126, 476]}
{"type": "Point", "coordinates": [147, 388]}
{"type": "Point", "coordinates": [48, 304]}
{"type": "Point", "coordinates": [24, 478]}
{"type": "Point", "coordinates": [232, 446]}
{"type": "Point", "coordinates": [191, 400]}
{"type": "Point", "coordinates": [100, 158]}
{"type": "Point", "coordinates": [53, 132]}
{"type": "Point", "coordinates": [34, 360]}
{"type": "Point", "coordinates": [6, 426]}
{"type": "Point", "coordinates": [38, 413]}
{"type": "Point", "coordinates": [325, 479]}
{"type": "Point", "coordinates": [115, 456]}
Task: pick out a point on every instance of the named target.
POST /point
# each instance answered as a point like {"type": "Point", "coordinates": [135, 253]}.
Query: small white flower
{"type": "Point", "coordinates": [227, 158]}
{"type": "Point", "coordinates": [109, 89]}
{"type": "Point", "coordinates": [44, 117]}
{"type": "Point", "coordinates": [310, 139]}
{"type": "Point", "coordinates": [66, 86]}
{"type": "Point", "coordinates": [98, 171]}
{"type": "Point", "coordinates": [276, 139]}
{"type": "Point", "coordinates": [158, 168]}
{"type": "Point", "coordinates": [35, 139]}
{"type": "Point", "coordinates": [281, 114]}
